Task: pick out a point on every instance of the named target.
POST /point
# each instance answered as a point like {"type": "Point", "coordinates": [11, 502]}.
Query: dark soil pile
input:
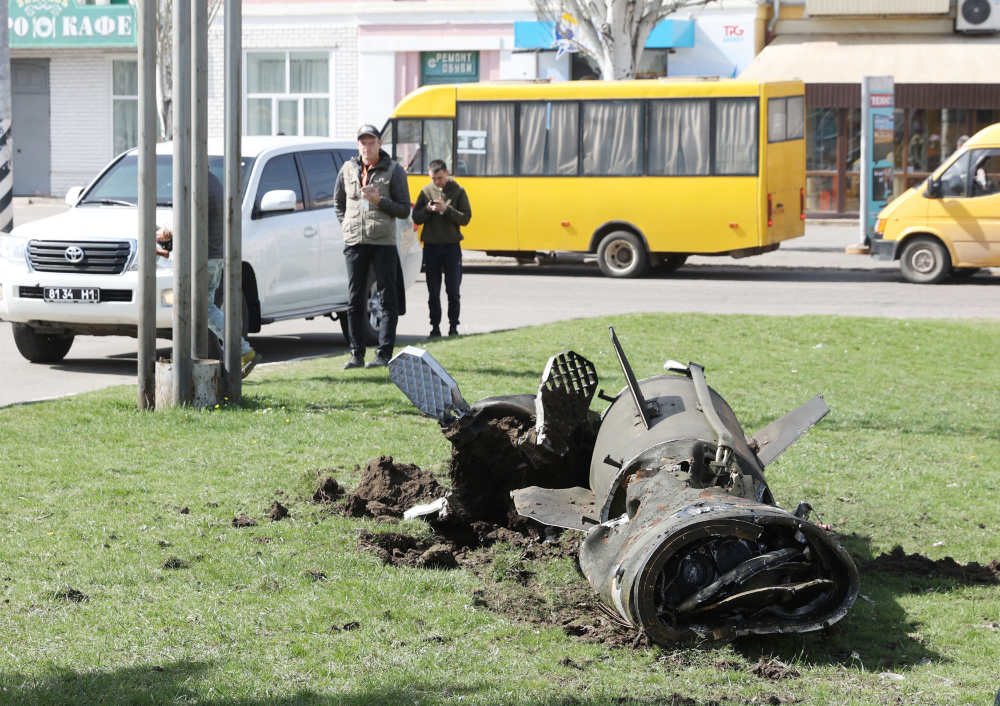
{"type": "Point", "coordinates": [900, 563]}
{"type": "Point", "coordinates": [491, 456]}
{"type": "Point", "coordinates": [277, 511]}
{"type": "Point", "coordinates": [389, 489]}
{"type": "Point", "coordinates": [328, 490]}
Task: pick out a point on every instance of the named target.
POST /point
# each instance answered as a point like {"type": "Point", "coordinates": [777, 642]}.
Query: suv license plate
{"type": "Point", "coordinates": [91, 295]}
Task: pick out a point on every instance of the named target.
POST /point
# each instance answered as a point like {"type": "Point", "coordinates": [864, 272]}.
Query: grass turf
{"type": "Point", "coordinates": [183, 607]}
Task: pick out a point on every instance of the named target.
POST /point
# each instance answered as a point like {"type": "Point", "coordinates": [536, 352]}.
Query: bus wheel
{"type": "Point", "coordinates": [924, 261]}
{"type": "Point", "coordinates": [622, 254]}
{"type": "Point", "coordinates": [671, 262]}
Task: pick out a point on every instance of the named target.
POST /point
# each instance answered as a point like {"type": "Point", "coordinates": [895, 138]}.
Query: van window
{"type": "Point", "coordinates": [955, 180]}
{"type": "Point", "coordinates": [736, 136]}
{"type": "Point", "coordinates": [679, 137]}
{"type": "Point", "coordinates": [985, 172]}
{"type": "Point", "coordinates": [279, 173]}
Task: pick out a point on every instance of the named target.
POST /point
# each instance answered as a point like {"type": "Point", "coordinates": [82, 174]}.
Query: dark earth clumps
{"type": "Point", "coordinates": [173, 562]}
{"type": "Point", "coordinates": [277, 511]}
{"type": "Point", "coordinates": [389, 489]}
{"type": "Point", "coordinates": [328, 490]}
{"type": "Point", "coordinates": [899, 563]}
{"type": "Point", "coordinates": [242, 520]}
{"type": "Point", "coordinates": [71, 594]}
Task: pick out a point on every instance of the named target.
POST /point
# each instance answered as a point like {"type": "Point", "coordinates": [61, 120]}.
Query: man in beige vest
{"type": "Point", "coordinates": [370, 194]}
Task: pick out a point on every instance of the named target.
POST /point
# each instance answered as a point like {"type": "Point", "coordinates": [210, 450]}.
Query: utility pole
{"type": "Point", "coordinates": [199, 181]}
{"type": "Point", "coordinates": [182, 392]}
{"type": "Point", "coordinates": [234, 200]}
{"type": "Point", "coordinates": [147, 205]}
{"type": "Point", "coordinates": [6, 151]}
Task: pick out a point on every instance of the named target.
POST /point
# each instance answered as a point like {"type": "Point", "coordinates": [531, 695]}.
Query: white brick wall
{"type": "Point", "coordinates": [81, 119]}
{"type": "Point", "coordinates": [339, 38]}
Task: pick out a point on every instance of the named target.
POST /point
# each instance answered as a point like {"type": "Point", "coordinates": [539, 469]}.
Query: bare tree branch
{"type": "Point", "coordinates": [612, 33]}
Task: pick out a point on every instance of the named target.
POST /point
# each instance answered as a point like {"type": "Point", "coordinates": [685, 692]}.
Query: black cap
{"type": "Point", "coordinates": [369, 130]}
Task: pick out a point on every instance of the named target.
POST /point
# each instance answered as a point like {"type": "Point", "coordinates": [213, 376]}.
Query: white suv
{"type": "Point", "coordinates": [76, 273]}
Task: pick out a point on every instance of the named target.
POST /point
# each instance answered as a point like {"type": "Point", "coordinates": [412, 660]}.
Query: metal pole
{"type": "Point", "coordinates": [147, 206]}
{"type": "Point", "coordinates": [6, 113]}
{"type": "Point", "coordinates": [234, 204]}
{"type": "Point", "coordinates": [182, 386]}
{"type": "Point", "coordinates": [199, 181]}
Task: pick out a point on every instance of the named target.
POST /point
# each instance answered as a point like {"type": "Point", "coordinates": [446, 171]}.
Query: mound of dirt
{"type": "Point", "coordinates": [388, 489]}
{"type": "Point", "coordinates": [493, 455]}
{"type": "Point", "coordinates": [277, 511]}
{"type": "Point", "coordinates": [900, 563]}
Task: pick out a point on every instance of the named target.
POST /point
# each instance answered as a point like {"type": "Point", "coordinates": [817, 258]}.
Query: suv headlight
{"type": "Point", "coordinates": [13, 248]}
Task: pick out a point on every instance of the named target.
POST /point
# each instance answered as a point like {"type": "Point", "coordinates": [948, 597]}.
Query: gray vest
{"type": "Point", "coordinates": [371, 226]}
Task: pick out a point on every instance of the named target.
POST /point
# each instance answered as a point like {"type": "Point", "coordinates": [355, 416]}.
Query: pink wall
{"type": "Point", "coordinates": [407, 72]}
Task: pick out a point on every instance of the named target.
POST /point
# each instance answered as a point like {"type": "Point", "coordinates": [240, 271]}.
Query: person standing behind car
{"type": "Point", "coordinates": [370, 194]}
{"type": "Point", "coordinates": [216, 251]}
{"type": "Point", "coordinates": [442, 208]}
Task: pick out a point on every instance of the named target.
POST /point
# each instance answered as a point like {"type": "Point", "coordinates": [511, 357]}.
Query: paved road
{"type": "Point", "coordinates": [810, 275]}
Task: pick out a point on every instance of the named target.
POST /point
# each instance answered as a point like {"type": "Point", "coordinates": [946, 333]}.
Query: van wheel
{"type": "Point", "coordinates": [622, 254]}
{"type": "Point", "coordinates": [670, 263]}
{"type": "Point", "coordinates": [924, 261]}
{"type": "Point", "coordinates": [40, 347]}
{"type": "Point", "coordinates": [373, 315]}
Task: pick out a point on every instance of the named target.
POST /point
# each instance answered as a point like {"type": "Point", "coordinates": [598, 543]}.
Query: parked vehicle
{"type": "Point", "coordinates": [949, 225]}
{"type": "Point", "coordinates": [640, 173]}
{"type": "Point", "coordinates": [76, 273]}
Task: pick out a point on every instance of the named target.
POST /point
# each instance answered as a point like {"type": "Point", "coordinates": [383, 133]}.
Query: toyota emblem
{"type": "Point", "coordinates": [74, 254]}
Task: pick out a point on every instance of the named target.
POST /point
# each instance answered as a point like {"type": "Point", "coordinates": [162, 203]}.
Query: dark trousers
{"type": "Point", "coordinates": [443, 259]}
{"type": "Point", "coordinates": [383, 261]}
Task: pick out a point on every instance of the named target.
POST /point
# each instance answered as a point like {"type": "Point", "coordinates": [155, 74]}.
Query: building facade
{"type": "Point", "coordinates": [945, 85]}
{"type": "Point", "coordinates": [310, 67]}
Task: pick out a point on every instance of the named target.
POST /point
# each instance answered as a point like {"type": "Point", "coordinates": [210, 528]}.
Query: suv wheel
{"type": "Point", "coordinates": [373, 315]}
{"type": "Point", "coordinates": [40, 347]}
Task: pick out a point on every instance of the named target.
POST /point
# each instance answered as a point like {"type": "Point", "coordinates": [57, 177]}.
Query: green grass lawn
{"type": "Point", "coordinates": [133, 511]}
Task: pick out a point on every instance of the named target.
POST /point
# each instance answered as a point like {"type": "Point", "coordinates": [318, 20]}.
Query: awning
{"type": "Point", "coordinates": [945, 59]}
{"type": "Point", "coordinates": [667, 34]}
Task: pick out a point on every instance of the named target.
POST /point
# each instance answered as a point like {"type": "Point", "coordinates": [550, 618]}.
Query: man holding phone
{"type": "Point", "coordinates": [442, 208]}
{"type": "Point", "coordinates": [370, 194]}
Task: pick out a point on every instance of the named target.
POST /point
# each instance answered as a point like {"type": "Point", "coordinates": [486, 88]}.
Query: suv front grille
{"type": "Point", "coordinates": [99, 258]}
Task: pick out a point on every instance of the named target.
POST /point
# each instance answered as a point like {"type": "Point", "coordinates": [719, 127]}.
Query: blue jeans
{"type": "Point", "coordinates": [216, 319]}
{"type": "Point", "coordinates": [443, 259]}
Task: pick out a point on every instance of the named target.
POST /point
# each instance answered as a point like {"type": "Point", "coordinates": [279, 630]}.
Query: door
{"type": "Point", "coordinates": [320, 169]}
{"type": "Point", "coordinates": [285, 243]}
{"type": "Point", "coordinates": [30, 104]}
{"type": "Point", "coordinates": [977, 240]}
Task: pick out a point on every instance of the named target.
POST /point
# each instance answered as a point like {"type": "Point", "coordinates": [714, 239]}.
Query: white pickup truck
{"type": "Point", "coordinates": [76, 273]}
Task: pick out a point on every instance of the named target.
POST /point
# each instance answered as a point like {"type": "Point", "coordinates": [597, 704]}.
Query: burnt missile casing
{"type": "Point", "coordinates": [690, 543]}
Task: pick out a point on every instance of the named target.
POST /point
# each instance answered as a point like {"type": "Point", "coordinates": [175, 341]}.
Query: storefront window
{"type": "Point", "coordinates": [821, 138]}
{"type": "Point", "coordinates": [820, 193]}
{"type": "Point", "coordinates": [288, 93]}
{"type": "Point", "coordinates": [125, 104]}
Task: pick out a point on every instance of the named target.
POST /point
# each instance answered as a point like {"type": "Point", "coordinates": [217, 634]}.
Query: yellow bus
{"type": "Point", "coordinates": [639, 173]}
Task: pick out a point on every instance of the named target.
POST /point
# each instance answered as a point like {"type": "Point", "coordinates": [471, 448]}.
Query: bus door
{"type": "Point", "coordinates": [784, 176]}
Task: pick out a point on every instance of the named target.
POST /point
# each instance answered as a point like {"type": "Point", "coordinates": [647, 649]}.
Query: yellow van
{"type": "Point", "coordinates": [949, 225]}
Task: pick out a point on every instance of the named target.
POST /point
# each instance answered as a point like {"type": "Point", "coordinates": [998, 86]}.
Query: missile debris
{"type": "Point", "coordinates": [684, 539]}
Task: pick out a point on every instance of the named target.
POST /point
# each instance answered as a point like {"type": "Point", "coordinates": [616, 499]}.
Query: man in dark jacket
{"type": "Point", "coordinates": [442, 208]}
{"type": "Point", "coordinates": [370, 194]}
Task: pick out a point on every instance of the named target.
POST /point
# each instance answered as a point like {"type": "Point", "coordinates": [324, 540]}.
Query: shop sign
{"type": "Point", "coordinates": [64, 24]}
{"type": "Point", "coordinates": [449, 67]}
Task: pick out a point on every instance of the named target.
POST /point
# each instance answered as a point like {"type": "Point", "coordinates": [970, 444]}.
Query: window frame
{"type": "Point", "coordinates": [784, 102]}
{"type": "Point", "coordinates": [121, 97]}
{"type": "Point", "coordinates": [299, 97]}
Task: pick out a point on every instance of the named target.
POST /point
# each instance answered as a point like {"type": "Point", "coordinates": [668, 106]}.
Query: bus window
{"type": "Point", "coordinates": [548, 139]}
{"type": "Point", "coordinates": [612, 138]}
{"type": "Point", "coordinates": [679, 137]}
{"type": "Point", "coordinates": [437, 142]}
{"type": "Point", "coordinates": [785, 119]}
{"type": "Point", "coordinates": [408, 145]}
{"type": "Point", "coordinates": [485, 139]}
{"type": "Point", "coordinates": [736, 136]}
